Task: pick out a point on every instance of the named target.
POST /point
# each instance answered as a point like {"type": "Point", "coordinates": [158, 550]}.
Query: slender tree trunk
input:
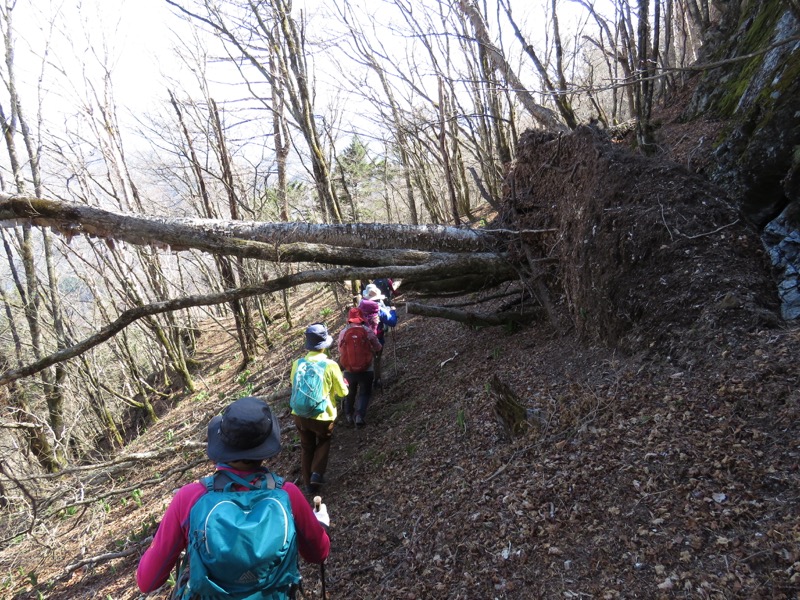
{"type": "Point", "coordinates": [627, 54]}
{"type": "Point", "coordinates": [402, 142]}
{"type": "Point", "coordinates": [223, 263]}
{"type": "Point", "coordinates": [50, 456]}
{"type": "Point", "coordinates": [644, 84]}
{"type": "Point", "coordinates": [448, 174]}
{"type": "Point", "coordinates": [240, 309]}
{"type": "Point", "coordinates": [304, 107]}
{"type": "Point", "coordinates": [562, 102]}
{"type": "Point", "coordinates": [282, 141]}
{"type": "Point", "coordinates": [34, 434]}
{"type": "Point", "coordinates": [543, 115]}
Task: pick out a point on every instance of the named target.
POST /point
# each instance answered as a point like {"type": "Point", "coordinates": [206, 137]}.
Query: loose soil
{"type": "Point", "coordinates": [660, 459]}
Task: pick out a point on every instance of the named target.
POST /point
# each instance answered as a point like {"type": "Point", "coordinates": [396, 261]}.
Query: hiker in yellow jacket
{"type": "Point", "coordinates": [316, 431]}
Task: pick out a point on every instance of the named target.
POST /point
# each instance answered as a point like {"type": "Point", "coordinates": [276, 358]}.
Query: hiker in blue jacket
{"type": "Point", "coordinates": [387, 318]}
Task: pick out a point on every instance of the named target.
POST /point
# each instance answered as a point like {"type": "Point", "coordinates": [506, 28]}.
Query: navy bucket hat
{"type": "Point", "coordinates": [317, 337]}
{"type": "Point", "coordinates": [246, 430]}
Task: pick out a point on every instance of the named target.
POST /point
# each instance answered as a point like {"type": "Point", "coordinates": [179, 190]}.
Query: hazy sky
{"type": "Point", "coordinates": [138, 36]}
{"type": "Point", "coordinates": [134, 39]}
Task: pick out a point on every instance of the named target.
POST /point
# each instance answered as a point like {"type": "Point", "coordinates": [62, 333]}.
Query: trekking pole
{"type": "Point", "coordinates": [317, 502]}
{"type": "Point", "coordinates": [394, 351]}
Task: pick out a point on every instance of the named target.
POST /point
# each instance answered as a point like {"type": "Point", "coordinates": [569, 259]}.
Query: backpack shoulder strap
{"type": "Point", "coordinates": [268, 481]}
{"type": "Point", "coordinates": [224, 481]}
{"type": "Point", "coordinates": [209, 481]}
{"type": "Point", "coordinates": [277, 482]}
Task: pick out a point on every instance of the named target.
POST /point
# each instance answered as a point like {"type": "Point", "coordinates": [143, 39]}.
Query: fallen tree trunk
{"type": "Point", "coordinates": [238, 238]}
{"type": "Point", "coordinates": [474, 318]}
{"type": "Point", "coordinates": [429, 259]}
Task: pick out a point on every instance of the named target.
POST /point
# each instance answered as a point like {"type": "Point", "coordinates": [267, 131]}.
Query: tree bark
{"type": "Point", "coordinates": [472, 318]}
{"type": "Point", "coordinates": [243, 238]}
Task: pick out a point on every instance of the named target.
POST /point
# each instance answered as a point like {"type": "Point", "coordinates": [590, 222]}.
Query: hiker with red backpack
{"type": "Point", "coordinates": [242, 527]}
{"type": "Point", "coordinates": [358, 346]}
{"type": "Point", "coordinates": [316, 383]}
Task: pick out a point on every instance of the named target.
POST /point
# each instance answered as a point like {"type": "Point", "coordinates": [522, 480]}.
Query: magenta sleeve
{"type": "Point", "coordinates": [169, 540]}
{"type": "Point", "coordinates": [312, 539]}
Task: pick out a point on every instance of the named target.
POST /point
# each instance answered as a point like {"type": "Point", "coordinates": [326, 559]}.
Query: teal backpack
{"type": "Point", "coordinates": [242, 544]}
{"type": "Point", "coordinates": [308, 399]}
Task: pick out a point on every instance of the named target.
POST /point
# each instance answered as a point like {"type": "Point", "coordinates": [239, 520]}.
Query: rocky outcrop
{"type": "Point", "coordinates": [756, 90]}
{"type": "Point", "coordinates": [781, 237]}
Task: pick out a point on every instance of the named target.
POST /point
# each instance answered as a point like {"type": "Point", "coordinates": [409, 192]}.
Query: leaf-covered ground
{"type": "Point", "coordinates": [641, 480]}
{"type": "Point", "coordinates": [666, 469]}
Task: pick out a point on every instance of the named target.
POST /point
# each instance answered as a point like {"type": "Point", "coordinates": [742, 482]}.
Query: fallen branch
{"type": "Point", "coordinates": [123, 459]}
{"type": "Point", "coordinates": [101, 558]}
{"type": "Point", "coordinates": [448, 360]}
{"type": "Point", "coordinates": [20, 426]}
{"type": "Point", "coordinates": [717, 230]}
{"type": "Point", "coordinates": [474, 263]}
{"type": "Point", "coordinates": [276, 395]}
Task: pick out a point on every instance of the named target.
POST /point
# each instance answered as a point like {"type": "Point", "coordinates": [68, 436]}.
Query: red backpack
{"type": "Point", "coordinates": [355, 351]}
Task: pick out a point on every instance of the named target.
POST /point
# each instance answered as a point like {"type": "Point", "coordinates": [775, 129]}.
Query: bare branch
{"type": "Point", "coordinates": [467, 263]}
{"type": "Point", "coordinates": [542, 114]}
{"type": "Point", "coordinates": [101, 558]}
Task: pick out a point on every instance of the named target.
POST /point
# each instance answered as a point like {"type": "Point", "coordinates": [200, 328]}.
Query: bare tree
{"type": "Point", "coordinates": [15, 124]}
{"type": "Point", "coordinates": [363, 54]}
{"type": "Point", "coordinates": [558, 91]}
{"type": "Point", "coordinates": [541, 114]}
{"type": "Point", "coordinates": [244, 330]}
{"type": "Point", "coordinates": [277, 30]}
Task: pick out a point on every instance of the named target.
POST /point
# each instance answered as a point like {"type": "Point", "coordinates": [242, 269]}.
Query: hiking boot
{"type": "Point", "coordinates": [317, 480]}
{"type": "Point", "coordinates": [360, 422]}
{"type": "Point", "coordinates": [348, 420]}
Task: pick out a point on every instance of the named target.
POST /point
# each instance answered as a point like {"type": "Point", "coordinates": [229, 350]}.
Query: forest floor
{"type": "Point", "coordinates": [668, 471]}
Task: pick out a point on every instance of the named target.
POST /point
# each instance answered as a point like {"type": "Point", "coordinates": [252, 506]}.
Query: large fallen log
{"type": "Point", "coordinates": [474, 318]}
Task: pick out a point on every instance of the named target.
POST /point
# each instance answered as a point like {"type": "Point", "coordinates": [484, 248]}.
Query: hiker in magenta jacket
{"type": "Point", "coordinates": [370, 310]}
{"type": "Point", "coordinates": [316, 432]}
{"type": "Point", "coordinates": [239, 440]}
{"type": "Point", "coordinates": [359, 384]}
{"type": "Point", "coordinates": [384, 317]}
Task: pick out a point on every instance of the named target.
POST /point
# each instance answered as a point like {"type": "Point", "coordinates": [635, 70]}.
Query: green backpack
{"type": "Point", "coordinates": [242, 544]}
{"type": "Point", "coordinates": [308, 399]}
